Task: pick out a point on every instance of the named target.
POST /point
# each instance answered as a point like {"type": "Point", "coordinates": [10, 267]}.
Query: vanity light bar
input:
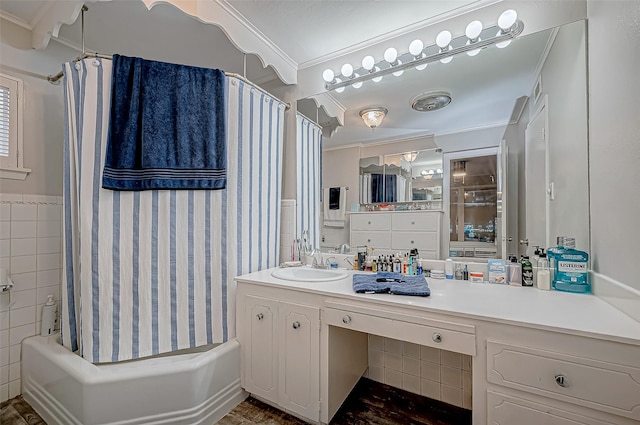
{"type": "Point", "coordinates": [378, 72]}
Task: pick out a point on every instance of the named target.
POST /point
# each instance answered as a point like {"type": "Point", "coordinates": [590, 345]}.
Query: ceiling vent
{"type": "Point", "coordinates": [431, 101]}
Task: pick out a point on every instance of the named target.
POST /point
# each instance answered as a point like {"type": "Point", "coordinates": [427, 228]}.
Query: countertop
{"type": "Point", "coordinates": [579, 314]}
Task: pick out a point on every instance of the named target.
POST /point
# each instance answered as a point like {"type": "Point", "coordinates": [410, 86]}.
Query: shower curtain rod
{"type": "Point", "coordinates": [55, 78]}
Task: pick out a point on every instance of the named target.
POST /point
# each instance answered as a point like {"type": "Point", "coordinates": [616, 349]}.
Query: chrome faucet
{"type": "Point", "coordinates": [316, 254]}
{"type": "Point", "coordinates": [344, 248]}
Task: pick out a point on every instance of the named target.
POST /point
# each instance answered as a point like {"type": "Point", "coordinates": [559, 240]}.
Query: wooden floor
{"type": "Point", "coordinates": [18, 412]}
{"type": "Point", "coordinates": [370, 403]}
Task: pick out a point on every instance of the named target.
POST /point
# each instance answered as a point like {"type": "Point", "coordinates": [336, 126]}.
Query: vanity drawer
{"type": "Point", "coordinates": [372, 221]}
{"type": "Point", "coordinates": [504, 410]}
{"type": "Point", "coordinates": [371, 239]}
{"type": "Point", "coordinates": [596, 384]}
{"type": "Point", "coordinates": [418, 222]}
{"type": "Point", "coordinates": [421, 240]}
{"type": "Point", "coordinates": [432, 336]}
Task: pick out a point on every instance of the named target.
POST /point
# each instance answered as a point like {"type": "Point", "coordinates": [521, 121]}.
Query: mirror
{"type": "Point", "coordinates": [413, 176]}
{"type": "Point", "coordinates": [546, 119]}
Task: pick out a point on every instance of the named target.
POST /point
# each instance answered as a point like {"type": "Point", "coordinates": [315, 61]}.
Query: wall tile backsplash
{"type": "Point", "coordinates": [31, 249]}
{"type": "Point", "coordinates": [437, 374]}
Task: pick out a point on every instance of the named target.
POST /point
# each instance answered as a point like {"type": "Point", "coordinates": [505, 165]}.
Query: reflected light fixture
{"type": "Point", "coordinates": [373, 116]}
{"type": "Point", "coordinates": [459, 169]}
{"type": "Point", "coordinates": [410, 156]}
{"type": "Point", "coordinates": [476, 37]}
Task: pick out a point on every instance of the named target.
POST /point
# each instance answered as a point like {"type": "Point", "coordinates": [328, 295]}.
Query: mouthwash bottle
{"type": "Point", "coordinates": [570, 268]}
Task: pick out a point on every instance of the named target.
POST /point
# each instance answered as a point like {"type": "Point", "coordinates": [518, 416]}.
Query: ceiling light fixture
{"type": "Point", "coordinates": [508, 28]}
{"type": "Point", "coordinates": [373, 116]}
{"type": "Point", "coordinates": [410, 156]}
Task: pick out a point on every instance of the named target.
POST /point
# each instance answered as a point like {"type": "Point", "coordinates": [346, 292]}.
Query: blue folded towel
{"type": "Point", "coordinates": [167, 128]}
{"type": "Point", "coordinates": [412, 285]}
{"type": "Point", "coordinates": [394, 283]}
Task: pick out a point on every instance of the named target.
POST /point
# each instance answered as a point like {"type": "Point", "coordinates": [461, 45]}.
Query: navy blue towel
{"type": "Point", "coordinates": [167, 128]}
{"type": "Point", "coordinates": [393, 283]}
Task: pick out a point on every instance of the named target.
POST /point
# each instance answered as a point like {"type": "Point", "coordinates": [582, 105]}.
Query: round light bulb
{"type": "Point", "coordinates": [475, 51]}
{"type": "Point", "coordinates": [439, 171]}
{"type": "Point", "coordinates": [377, 79]}
{"type": "Point", "coordinates": [390, 55]}
{"type": "Point", "coordinates": [431, 172]}
{"type": "Point", "coordinates": [502, 44]}
{"type": "Point", "coordinates": [328, 75]}
{"type": "Point", "coordinates": [473, 30]}
{"type": "Point", "coordinates": [507, 19]}
{"type": "Point", "coordinates": [415, 47]}
{"type": "Point", "coordinates": [399, 73]}
{"type": "Point", "coordinates": [346, 70]}
{"type": "Point", "coordinates": [368, 62]}
{"type": "Point", "coordinates": [340, 89]}
{"type": "Point", "coordinates": [447, 59]}
{"type": "Point", "coordinates": [356, 85]}
{"type": "Point", "coordinates": [443, 39]}
{"type": "Point", "coordinates": [424, 65]}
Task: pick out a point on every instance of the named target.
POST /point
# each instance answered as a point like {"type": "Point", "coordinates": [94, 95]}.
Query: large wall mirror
{"type": "Point", "coordinates": [532, 187]}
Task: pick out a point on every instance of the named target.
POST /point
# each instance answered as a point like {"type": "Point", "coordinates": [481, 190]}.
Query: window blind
{"type": "Point", "coordinates": [5, 99]}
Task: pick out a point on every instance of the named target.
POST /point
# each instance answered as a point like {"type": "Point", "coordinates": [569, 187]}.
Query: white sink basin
{"type": "Point", "coordinates": [307, 274]}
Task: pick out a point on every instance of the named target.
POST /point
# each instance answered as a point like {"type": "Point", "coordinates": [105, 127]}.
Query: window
{"type": "Point", "coordinates": [11, 160]}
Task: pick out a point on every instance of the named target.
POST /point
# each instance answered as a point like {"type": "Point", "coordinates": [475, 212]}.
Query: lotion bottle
{"type": "Point", "coordinates": [448, 268]}
{"type": "Point", "coordinates": [48, 317]}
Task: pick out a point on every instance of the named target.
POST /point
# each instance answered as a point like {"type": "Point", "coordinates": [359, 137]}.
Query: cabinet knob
{"type": "Point", "coordinates": [259, 316]}
{"type": "Point", "coordinates": [411, 242]}
{"type": "Point", "coordinates": [413, 222]}
{"type": "Point", "coordinates": [368, 222]}
{"type": "Point", "coordinates": [346, 319]}
{"type": "Point", "coordinates": [436, 337]}
{"type": "Point", "coordinates": [296, 325]}
{"type": "Point", "coordinates": [368, 240]}
{"type": "Point", "coordinates": [562, 381]}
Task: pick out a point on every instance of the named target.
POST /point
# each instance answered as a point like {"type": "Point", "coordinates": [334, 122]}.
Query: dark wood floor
{"type": "Point", "coordinates": [18, 412]}
{"type": "Point", "coordinates": [370, 403]}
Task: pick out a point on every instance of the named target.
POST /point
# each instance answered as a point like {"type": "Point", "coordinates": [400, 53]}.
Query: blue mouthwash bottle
{"type": "Point", "coordinates": [570, 267]}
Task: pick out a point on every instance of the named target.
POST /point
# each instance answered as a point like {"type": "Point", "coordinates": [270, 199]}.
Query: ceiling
{"type": "Point", "coordinates": [484, 88]}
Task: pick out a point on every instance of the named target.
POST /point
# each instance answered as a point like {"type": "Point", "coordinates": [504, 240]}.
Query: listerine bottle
{"type": "Point", "coordinates": [571, 268]}
{"type": "Point", "coordinates": [552, 252]}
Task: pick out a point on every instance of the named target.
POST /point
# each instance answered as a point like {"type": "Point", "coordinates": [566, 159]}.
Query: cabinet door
{"type": "Point", "coordinates": [380, 240]}
{"type": "Point", "coordinates": [260, 350]}
{"type": "Point", "coordinates": [300, 359]}
{"type": "Point", "coordinates": [428, 221]}
{"type": "Point", "coordinates": [371, 221]}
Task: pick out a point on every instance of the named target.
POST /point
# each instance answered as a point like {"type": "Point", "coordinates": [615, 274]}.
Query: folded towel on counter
{"type": "Point", "coordinates": [167, 128]}
{"type": "Point", "coordinates": [411, 285]}
{"type": "Point", "coordinates": [367, 284]}
{"type": "Point", "coordinates": [390, 282]}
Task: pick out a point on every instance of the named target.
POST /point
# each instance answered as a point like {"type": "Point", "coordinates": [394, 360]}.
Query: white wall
{"type": "Point", "coordinates": [43, 109]}
{"type": "Point", "coordinates": [614, 138]}
{"type": "Point", "coordinates": [472, 139]}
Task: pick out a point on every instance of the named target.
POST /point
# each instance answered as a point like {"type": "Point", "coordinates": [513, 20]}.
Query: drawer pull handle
{"type": "Point", "coordinates": [368, 222]}
{"type": "Point", "coordinates": [368, 240]}
{"type": "Point", "coordinates": [259, 316]}
{"type": "Point", "coordinates": [437, 337]}
{"type": "Point", "coordinates": [346, 319]}
{"type": "Point", "coordinates": [296, 325]}
{"type": "Point", "coordinates": [411, 242]}
{"type": "Point", "coordinates": [562, 381]}
{"type": "Point", "coordinates": [413, 222]}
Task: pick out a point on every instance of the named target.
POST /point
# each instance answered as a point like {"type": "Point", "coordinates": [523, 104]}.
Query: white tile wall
{"type": "Point", "coordinates": [31, 248]}
{"type": "Point", "coordinates": [287, 228]}
{"type": "Point", "coordinates": [437, 374]}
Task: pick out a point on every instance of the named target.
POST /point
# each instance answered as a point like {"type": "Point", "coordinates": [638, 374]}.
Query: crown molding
{"type": "Point", "coordinates": [50, 18]}
{"type": "Point", "coordinates": [18, 21]}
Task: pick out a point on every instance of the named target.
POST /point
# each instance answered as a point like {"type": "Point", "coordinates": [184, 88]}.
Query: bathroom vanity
{"type": "Point", "coordinates": [538, 357]}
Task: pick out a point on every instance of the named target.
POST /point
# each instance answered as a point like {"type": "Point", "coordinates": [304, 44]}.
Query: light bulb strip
{"type": "Point", "coordinates": [512, 33]}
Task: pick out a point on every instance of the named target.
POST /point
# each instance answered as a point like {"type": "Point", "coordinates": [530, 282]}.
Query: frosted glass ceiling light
{"type": "Point", "coordinates": [358, 84]}
{"type": "Point", "coordinates": [502, 44]}
{"type": "Point", "coordinates": [328, 75]}
{"type": "Point", "coordinates": [443, 40]}
{"type": "Point", "coordinates": [373, 117]}
{"type": "Point", "coordinates": [415, 48]}
{"type": "Point", "coordinates": [424, 65]}
{"type": "Point", "coordinates": [339, 89]}
{"type": "Point", "coordinates": [346, 70]}
{"type": "Point", "coordinates": [473, 30]}
{"type": "Point", "coordinates": [368, 63]}
{"type": "Point", "coordinates": [398, 73]}
{"type": "Point", "coordinates": [475, 51]}
{"type": "Point", "coordinates": [390, 55]}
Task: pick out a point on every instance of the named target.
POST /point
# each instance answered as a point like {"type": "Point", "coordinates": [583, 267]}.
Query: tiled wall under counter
{"type": "Point", "coordinates": [31, 249]}
{"type": "Point", "coordinates": [437, 374]}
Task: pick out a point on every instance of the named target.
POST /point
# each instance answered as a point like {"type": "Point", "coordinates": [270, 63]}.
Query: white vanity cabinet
{"type": "Point", "coordinates": [555, 378]}
{"type": "Point", "coordinates": [280, 345]}
{"type": "Point", "coordinates": [398, 231]}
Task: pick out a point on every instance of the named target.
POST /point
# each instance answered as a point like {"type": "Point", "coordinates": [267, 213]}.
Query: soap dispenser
{"type": "Point", "coordinates": [48, 317]}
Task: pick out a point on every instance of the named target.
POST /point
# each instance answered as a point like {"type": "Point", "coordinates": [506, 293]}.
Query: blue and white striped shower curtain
{"type": "Point", "coordinates": [309, 178]}
{"type": "Point", "coordinates": [152, 272]}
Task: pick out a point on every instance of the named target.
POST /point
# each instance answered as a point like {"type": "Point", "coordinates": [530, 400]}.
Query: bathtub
{"type": "Point", "coordinates": [194, 387]}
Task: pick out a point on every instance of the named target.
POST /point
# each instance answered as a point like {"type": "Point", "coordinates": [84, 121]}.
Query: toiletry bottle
{"type": "Point", "coordinates": [465, 273]}
{"type": "Point", "coordinates": [571, 274]}
{"type": "Point", "coordinates": [448, 268]}
{"type": "Point", "coordinates": [374, 265]}
{"type": "Point", "coordinates": [514, 272]}
{"type": "Point", "coordinates": [551, 255]}
{"type": "Point", "coordinates": [458, 272]}
{"type": "Point", "coordinates": [419, 271]}
{"type": "Point", "coordinates": [397, 265]}
{"type": "Point", "coordinates": [527, 272]}
{"type": "Point", "coordinates": [543, 280]}
{"type": "Point", "coordinates": [534, 263]}
{"type": "Point", "coordinates": [48, 317]}
{"type": "Point", "coordinates": [355, 262]}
